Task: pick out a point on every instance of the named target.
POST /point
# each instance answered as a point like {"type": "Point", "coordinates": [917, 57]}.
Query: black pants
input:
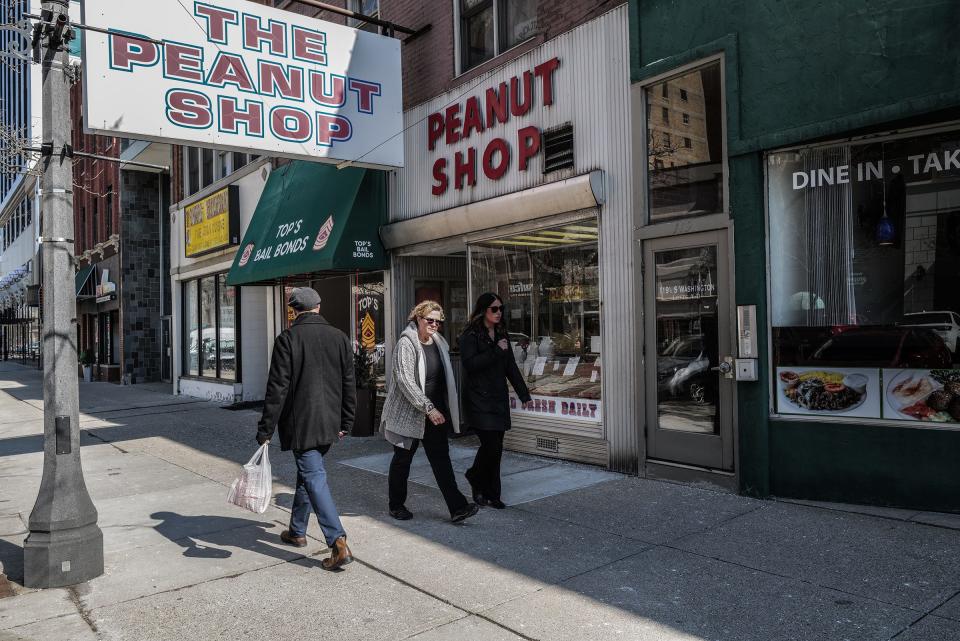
{"type": "Point", "coordinates": [484, 475]}
{"type": "Point", "coordinates": [437, 449]}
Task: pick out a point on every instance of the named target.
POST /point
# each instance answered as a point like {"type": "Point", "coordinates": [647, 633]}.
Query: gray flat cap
{"type": "Point", "coordinates": [303, 298]}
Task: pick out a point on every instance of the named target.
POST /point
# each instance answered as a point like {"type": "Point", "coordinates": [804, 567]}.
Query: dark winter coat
{"type": "Point", "coordinates": [486, 369]}
{"type": "Point", "coordinates": [311, 394]}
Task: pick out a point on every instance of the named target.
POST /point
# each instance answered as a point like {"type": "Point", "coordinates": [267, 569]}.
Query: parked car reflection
{"type": "Point", "coordinates": [881, 346]}
{"type": "Point", "coordinates": [683, 370]}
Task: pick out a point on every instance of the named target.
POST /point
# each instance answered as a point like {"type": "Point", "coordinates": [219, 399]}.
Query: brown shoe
{"type": "Point", "coordinates": [340, 555]}
{"type": "Point", "coordinates": [295, 541]}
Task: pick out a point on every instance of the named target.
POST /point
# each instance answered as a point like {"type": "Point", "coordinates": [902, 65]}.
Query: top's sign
{"type": "Point", "coordinates": [235, 74]}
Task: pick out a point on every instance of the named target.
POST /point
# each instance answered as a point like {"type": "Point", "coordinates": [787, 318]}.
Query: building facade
{"type": "Point", "coordinates": [798, 247]}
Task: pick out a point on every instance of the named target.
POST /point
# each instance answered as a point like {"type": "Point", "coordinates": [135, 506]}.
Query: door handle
{"type": "Point", "coordinates": [725, 367]}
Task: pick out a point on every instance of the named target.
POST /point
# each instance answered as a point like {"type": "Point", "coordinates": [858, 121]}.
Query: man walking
{"type": "Point", "coordinates": [311, 396]}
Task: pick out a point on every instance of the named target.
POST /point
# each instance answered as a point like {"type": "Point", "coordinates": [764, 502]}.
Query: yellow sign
{"type": "Point", "coordinates": [210, 224]}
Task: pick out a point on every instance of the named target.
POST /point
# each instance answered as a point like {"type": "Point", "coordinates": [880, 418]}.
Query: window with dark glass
{"type": "Point", "coordinates": [686, 180]}
{"type": "Point", "coordinates": [206, 167]}
{"type": "Point", "coordinates": [210, 328]}
{"type": "Point", "coordinates": [549, 280]}
{"type": "Point", "coordinates": [369, 8]}
{"type": "Point", "coordinates": [864, 258]}
{"type": "Point", "coordinates": [95, 226]}
{"type": "Point", "coordinates": [109, 211]}
{"type": "Point", "coordinates": [490, 27]}
{"type": "Point", "coordinates": [193, 171]}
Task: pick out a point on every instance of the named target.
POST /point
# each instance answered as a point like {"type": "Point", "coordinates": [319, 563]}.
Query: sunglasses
{"type": "Point", "coordinates": [495, 308]}
{"type": "Point", "coordinates": [432, 321]}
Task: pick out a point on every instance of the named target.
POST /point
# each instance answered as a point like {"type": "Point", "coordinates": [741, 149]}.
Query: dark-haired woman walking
{"type": "Point", "coordinates": [488, 363]}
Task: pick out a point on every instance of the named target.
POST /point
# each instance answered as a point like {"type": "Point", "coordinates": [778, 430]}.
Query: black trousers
{"type": "Point", "coordinates": [484, 474]}
{"type": "Point", "coordinates": [437, 449]}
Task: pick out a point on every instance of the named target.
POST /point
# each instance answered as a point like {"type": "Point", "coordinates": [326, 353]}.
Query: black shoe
{"type": "Point", "coordinates": [464, 513]}
{"type": "Point", "coordinates": [477, 495]}
{"type": "Point", "coordinates": [401, 514]}
{"type": "Point", "coordinates": [496, 503]}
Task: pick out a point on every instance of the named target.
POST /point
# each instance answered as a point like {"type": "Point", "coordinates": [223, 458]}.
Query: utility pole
{"type": "Point", "coordinates": [65, 546]}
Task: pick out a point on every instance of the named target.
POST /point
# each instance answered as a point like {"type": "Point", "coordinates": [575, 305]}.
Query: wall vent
{"type": "Point", "coordinates": [558, 148]}
{"type": "Point", "coordinates": [548, 444]}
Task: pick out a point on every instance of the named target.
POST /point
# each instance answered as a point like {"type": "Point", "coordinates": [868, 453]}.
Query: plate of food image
{"type": "Point", "coordinates": [932, 396]}
{"type": "Point", "coordinates": [823, 390]}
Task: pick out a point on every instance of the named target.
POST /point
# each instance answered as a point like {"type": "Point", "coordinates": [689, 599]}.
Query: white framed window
{"type": "Point", "coordinates": [487, 28]}
{"type": "Point", "coordinates": [203, 167]}
{"type": "Point", "coordinates": [369, 8]}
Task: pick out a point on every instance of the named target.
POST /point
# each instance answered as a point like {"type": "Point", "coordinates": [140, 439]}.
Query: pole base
{"type": "Point", "coordinates": [64, 557]}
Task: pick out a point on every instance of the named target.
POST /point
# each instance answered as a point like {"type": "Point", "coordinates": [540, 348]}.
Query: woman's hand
{"type": "Point", "coordinates": [503, 344]}
{"type": "Point", "coordinates": [436, 417]}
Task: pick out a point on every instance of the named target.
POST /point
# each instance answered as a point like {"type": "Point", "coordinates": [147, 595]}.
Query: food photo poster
{"type": "Point", "coordinates": [829, 391]}
{"type": "Point", "coordinates": [929, 396]}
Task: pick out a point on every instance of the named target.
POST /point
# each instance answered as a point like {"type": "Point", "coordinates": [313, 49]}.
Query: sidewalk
{"type": "Point", "coordinates": [581, 554]}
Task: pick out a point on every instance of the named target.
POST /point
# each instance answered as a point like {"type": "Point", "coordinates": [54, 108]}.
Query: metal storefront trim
{"type": "Point", "coordinates": [580, 192]}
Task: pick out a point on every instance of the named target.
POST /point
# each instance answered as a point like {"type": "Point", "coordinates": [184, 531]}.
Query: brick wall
{"type": "Point", "coordinates": [95, 182]}
{"type": "Point", "coordinates": [140, 248]}
{"type": "Point", "coordinates": [428, 59]}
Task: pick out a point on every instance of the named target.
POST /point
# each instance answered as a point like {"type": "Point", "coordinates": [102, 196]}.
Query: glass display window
{"type": "Point", "coordinates": [210, 328]}
{"type": "Point", "coordinates": [864, 258]}
{"type": "Point", "coordinates": [549, 281]}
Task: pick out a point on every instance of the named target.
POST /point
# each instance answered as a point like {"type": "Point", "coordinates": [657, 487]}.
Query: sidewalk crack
{"type": "Point", "coordinates": [84, 613]}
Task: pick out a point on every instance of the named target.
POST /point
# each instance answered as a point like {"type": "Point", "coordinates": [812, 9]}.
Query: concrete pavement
{"type": "Point", "coordinates": [581, 554]}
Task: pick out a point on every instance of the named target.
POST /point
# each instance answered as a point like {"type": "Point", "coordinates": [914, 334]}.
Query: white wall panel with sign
{"type": "Point", "coordinates": [238, 75]}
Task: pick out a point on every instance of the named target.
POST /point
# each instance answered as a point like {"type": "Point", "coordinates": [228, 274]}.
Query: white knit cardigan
{"type": "Point", "coordinates": [406, 404]}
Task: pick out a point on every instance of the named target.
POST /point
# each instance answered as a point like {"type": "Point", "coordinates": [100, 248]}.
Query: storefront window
{"type": "Point", "coordinates": [226, 334]}
{"type": "Point", "coordinates": [549, 280]}
{"type": "Point", "coordinates": [865, 254]}
{"type": "Point", "coordinates": [191, 334]}
{"type": "Point", "coordinates": [685, 145]}
{"type": "Point", "coordinates": [210, 328]}
{"type": "Point", "coordinates": [368, 329]}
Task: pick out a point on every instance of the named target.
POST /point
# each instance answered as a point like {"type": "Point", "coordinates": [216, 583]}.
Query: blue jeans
{"type": "Point", "coordinates": [312, 490]}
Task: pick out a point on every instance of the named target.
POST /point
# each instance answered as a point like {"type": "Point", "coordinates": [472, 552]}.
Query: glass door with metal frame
{"type": "Point", "coordinates": [689, 377]}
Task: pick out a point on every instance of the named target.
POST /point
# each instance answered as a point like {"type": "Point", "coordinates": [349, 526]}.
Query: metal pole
{"type": "Point", "coordinates": [65, 546]}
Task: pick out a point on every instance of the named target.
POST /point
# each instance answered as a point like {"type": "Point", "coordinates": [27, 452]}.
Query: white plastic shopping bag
{"type": "Point", "coordinates": [253, 489]}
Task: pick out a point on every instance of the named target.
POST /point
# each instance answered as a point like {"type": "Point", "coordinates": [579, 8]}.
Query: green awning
{"type": "Point", "coordinates": [82, 277]}
{"type": "Point", "coordinates": [313, 217]}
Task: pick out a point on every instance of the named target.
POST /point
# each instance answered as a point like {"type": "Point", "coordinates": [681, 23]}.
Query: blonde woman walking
{"type": "Point", "coordinates": [421, 403]}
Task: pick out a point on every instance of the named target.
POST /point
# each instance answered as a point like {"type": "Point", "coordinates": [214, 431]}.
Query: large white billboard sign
{"type": "Point", "coordinates": [238, 75]}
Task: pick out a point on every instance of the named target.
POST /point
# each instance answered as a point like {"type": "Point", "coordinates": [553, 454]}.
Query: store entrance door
{"type": "Point", "coordinates": [689, 375]}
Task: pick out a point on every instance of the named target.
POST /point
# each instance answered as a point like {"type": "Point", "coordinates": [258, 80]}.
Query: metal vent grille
{"type": "Point", "coordinates": [548, 444]}
{"type": "Point", "coordinates": [558, 148]}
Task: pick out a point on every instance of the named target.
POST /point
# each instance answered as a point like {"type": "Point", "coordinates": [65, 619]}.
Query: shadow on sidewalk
{"type": "Point", "coordinates": [205, 537]}
{"type": "Point", "coordinates": [11, 560]}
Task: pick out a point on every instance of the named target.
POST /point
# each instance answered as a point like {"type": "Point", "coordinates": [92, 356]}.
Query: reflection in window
{"type": "Point", "coordinates": [549, 282]}
{"type": "Point", "coordinates": [192, 327]}
{"type": "Point", "coordinates": [865, 253]}
{"type": "Point", "coordinates": [208, 328]}
{"type": "Point", "coordinates": [368, 290]}
{"type": "Point", "coordinates": [685, 180]}
{"type": "Point", "coordinates": [490, 27]}
{"type": "Point", "coordinates": [226, 333]}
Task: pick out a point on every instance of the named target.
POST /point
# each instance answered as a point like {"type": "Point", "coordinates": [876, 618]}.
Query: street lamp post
{"type": "Point", "coordinates": [65, 546]}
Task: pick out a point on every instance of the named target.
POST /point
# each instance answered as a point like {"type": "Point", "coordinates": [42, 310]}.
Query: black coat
{"type": "Point", "coordinates": [486, 403]}
{"type": "Point", "coordinates": [311, 394]}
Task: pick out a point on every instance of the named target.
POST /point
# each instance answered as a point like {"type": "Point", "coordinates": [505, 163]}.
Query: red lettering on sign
{"type": "Point", "coordinates": [434, 129]}
{"type": "Point", "coordinates": [491, 171]}
{"type": "Point", "coordinates": [189, 109]}
{"type": "Point", "coordinates": [472, 120]}
{"type": "Point", "coordinates": [254, 35]}
{"type": "Point", "coordinates": [275, 79]}
{"type": "Point", "coordinates": [126, 52]}
{"type": "Point", "coordinates": [183, 62]}
{"type": "Point", "coordinates": [333, 96]}
{"type": "Point", "coordinates": [529, 142]}
{"type": "Point", "coordinates": [453, 123]}
{"type": "Point", "coordinates": [545, 71]}
{"type": "Point", "coordinates": [442, 182]}
{"type": "Point", "coordinates": [309, 45]}
{"type": "Point", "coordinates": [518, 108]}
{"type": "Point", "coordinates": [497, 105]}
{"type": "Point", "coordinates": [229, 69]}
{"type": "Point", "coordinates": [290, 124]}
{"type": "Point", "coordinates": [465, 169]}
{"type": "Point", "coordinates": [331, 129]}
{"type": "Point", "coordinates": [217, 21]}
{"type": "Point", "coordinates": [231, 114]}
